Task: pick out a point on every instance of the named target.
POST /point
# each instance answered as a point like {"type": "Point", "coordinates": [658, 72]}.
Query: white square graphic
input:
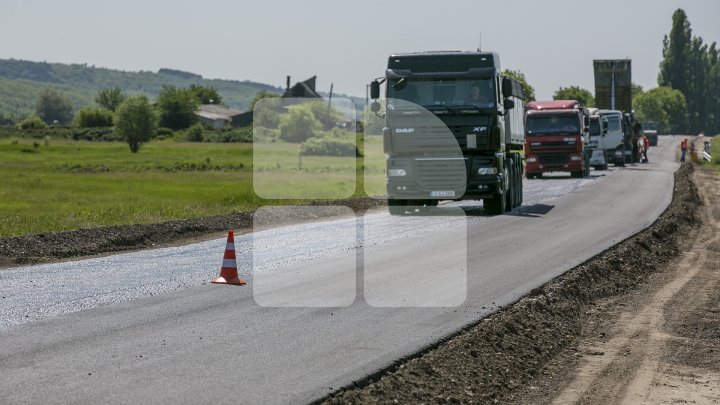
{"type": "Point", "coordinates": [310, 264]}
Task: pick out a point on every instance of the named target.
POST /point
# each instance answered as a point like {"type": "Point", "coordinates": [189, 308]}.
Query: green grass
{"type": "Point", "coordinates": [75, 184]}
{"type": "Point", "coordinates": [70, 185]}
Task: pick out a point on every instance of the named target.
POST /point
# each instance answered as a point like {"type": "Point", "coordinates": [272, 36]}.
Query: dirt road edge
{"type": "Point", "coordinates": [489, 360]}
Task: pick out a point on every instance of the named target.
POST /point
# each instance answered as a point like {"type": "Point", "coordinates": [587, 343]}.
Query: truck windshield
{"type": "Point", "coordinates": [614, 124]}
{"type": "Point", "coordinates": [552, 124]}
{"type": "Point", "coordinates": [447, 93]}
{"type": "Point", "coordinates": [650, 126]}
{"type": "Point", "coordinates": [594, 126]}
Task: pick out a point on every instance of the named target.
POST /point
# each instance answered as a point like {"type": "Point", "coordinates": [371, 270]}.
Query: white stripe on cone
{"type": "Point", "coordinates": [229, 263]}
{"type": "Point", "coordinates": [230, 246]}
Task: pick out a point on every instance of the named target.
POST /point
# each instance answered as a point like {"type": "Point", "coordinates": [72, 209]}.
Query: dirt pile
{"type": "Point", "coordinates": [489, 360]}
{"type": "Point", "coordinates": [47, 247]}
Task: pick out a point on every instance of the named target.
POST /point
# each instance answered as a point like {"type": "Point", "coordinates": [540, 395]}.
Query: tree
{"type": "Point", "coordinates": [136, 121]}
{"type": "Point", "coordinates": [177, 107]}
{"type": "Point", "coordinates": [259, 96]}
{"type": "Point", "coordinates": [110, 99]}
{"type": "Point", "coordinates": [575, 93]}
{"type": "Point", "coordinates": [52, 106]}
{"type": "Point", "coordinates": [665, 106]}
{"type": "Point", "coordinates": [325, 114]}
{"type": "Point", "coordinates": [206, 94]}
{"type": "Point", "coordinates": [6, 119]}
{"type": "Point", "coordinates": [676, 53]}
{"type": "Point", "coordinates": [527, 88]}
{"type": "Point", "coordinates": [636, 90]}
{"type": "Point", "coordinates": [90, 117]}
{"type": "Point", "coordinates": [298, 125]}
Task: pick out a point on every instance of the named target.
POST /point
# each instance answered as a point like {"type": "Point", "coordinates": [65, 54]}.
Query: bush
{"type": "Point", "coordinates": [236, 135]}
{"type": "Point", "coordinates": [298, 125]}
{"type": "Point", "coordinates": [6, 119]}
{"type": "Point", "coordinates": [329, 147]}
{"type": "Point", "coordinates": [90, 117]}
{"type": "Point", "coordinates": [264, 135]}
{"type": "Point", "coordinates": [95, 134]}
{"type": "Point", "coordinates": [195, 133]}
{"type": "Point", "coordinates": [32, 122]}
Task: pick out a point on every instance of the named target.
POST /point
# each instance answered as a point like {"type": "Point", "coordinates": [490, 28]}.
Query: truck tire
{"type": "Point", "coordinates": [509, 184]}
{"type": "Point", "coordinates": [520, 180]}
{"type": "Point", "coordinates": [494, 205]}
{"type": "Point", "coordinates": [397, 207]}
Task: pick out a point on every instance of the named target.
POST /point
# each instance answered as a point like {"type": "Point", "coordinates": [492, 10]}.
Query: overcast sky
{"type": "Point", "coordinates": [347, 43]}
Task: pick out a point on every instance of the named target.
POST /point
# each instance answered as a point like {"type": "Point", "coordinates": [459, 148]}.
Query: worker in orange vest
{"type": "Point", "coordinates": [646, 146]}
{"type": "Point", "coordinates": [683, 149]}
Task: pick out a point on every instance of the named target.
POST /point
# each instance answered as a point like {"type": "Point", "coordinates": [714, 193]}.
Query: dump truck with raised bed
{"type": "Point", "coordinates": [454, 130]}
{"type": "Point", "coordinates": [613, 96]}
{"type": "Point", "coordinates": [557, 138]}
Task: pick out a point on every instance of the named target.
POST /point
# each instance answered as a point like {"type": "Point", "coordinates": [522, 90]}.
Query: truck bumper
{"type": "Point", "coordinates": [478, 188]}
{"type": "Point", "coordinates": [568, 166]}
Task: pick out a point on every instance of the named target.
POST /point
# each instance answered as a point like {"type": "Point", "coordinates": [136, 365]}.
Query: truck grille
{"type": "Point", "coordinates": [553, 158]}
{"type": "Point", "coordinates": [555, 145]}
{"type": "Point", "coordinates": [434, 138]}
{"type": "Point", "coordinates": [441, 174]}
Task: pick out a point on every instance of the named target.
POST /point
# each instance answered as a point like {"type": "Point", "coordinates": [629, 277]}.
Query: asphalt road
{"type": "Point", "coordinates": [356, 295]}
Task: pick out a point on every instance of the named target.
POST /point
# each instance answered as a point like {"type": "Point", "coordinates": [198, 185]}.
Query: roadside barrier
{"type": "Point", "coordinates": [228, 270]}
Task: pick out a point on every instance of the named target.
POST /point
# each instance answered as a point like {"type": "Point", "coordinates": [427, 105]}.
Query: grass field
{"type": "Point", "coordinates": [75, 184]}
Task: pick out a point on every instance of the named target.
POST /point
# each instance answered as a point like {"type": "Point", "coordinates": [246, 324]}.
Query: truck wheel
{"type": "Point", "coordinates": [494, 205]}
{"type": "Point", "coordinates": [510, 184]}
{"type": "Point", "coordinates": [397, 207]}
{"type": "Point", "coordinates": [520, 181]}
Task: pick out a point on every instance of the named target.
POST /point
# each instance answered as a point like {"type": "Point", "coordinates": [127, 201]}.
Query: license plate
{"type": "Point", "coordinates": [442, 194]}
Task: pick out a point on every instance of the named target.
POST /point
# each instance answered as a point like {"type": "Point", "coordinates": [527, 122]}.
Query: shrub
{"type": "Point", "coordinates": [298, 125]}
{"type": "Point", "coordinates": [264, 135]}
{"type": "Point", "coordinates": [164, 132]}
{"type": "Point", "coordinates": [329, 147]}
{"type": "Point", "coordinates": [32, 122]}
{"type": "Point", "coordinates": [236, 135]}
{"type": "Point", "coordinates": [95, 134]}
{"type": "Point", "coordinates": [195, 133]}
{"type": "Point", "coordinates": [90, 117]}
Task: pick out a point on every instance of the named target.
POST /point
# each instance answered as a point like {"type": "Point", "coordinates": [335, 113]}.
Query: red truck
{"type": "Point", "coordinates": [557, 138]}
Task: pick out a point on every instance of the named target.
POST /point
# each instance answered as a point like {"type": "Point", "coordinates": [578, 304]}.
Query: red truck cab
{"type": "Point", "coordinates": [556, 138]}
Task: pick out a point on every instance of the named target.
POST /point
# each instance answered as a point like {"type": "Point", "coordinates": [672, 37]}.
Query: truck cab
{"type": "Point", "coordinates": [557, 138]}
{"type": "Point", "coordinates": [453, 130]}
{"type": "Point", "coordinates": [614, 140]}
{"type": "Point", "coordinates": [598, 130]}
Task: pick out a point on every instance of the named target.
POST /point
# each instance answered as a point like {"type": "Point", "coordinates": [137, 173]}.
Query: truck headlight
{"type": "Point", "coordinates": [531, 159]}
{"type": "Point", "coordinates": [484, 171]}
{"type": "Point", "coordinates": [397, 172]}
{"type": "Point", "coordinates": [576, 158]}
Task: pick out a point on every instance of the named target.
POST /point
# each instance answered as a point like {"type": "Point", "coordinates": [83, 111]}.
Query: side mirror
{"type": "Point", "coordinates": [508, 104]}
{"type": "Point", "coordinates": [604, 127]}
{"type": "Point", "coordinates": [507, 87]}
{"type": "Point", "coordinates": [375, 106]}
{"type": "Point", "coordinates": [375, 90]}
{"type": "Point", "coordinates": [586, 121]}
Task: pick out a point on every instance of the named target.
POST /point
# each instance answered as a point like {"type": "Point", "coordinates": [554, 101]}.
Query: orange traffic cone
{"type": "Point", "coordinates": [228, 270]}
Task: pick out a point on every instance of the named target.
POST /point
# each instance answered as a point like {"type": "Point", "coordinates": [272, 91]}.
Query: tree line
{"type": "Point", "coordinates": [133, 117]}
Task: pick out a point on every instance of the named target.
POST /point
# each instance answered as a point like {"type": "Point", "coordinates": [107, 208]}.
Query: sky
{"type": "Point", "coordinates": [347, 43]}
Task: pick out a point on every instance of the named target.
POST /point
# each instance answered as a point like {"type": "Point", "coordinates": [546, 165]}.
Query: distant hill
{"type": "Point", "coordinates": [22, 81]}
